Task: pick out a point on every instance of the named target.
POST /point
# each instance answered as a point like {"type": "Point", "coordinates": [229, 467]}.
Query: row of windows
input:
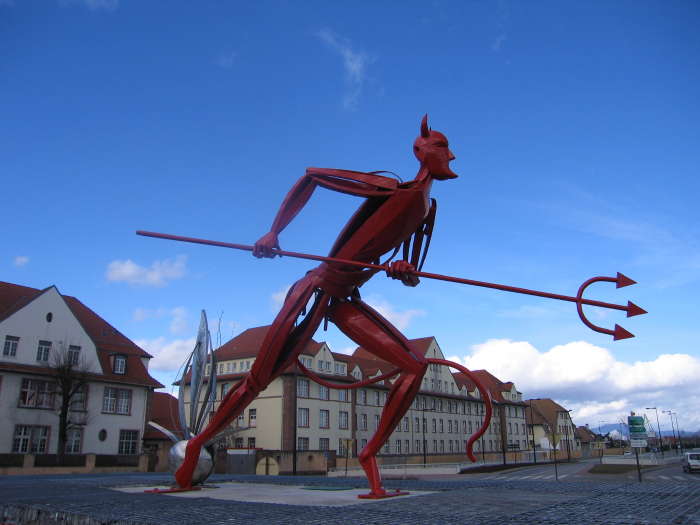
{"type": "Point", "coordinates": [34, 439]}
{"type": "Point", "coordinates": [324, 366]}
{"type": "Point", "coordinates": [43, 353]}
{"type": "Point", "coordinates": [43, 350]}
{"type": "Point", "coordinates": [323, 418]}
{"type": "Point", "coordinates": [37, 393]}
{"type": "Point", "coordinates": [403, 446]}
{"type": "Point", "coordinates": [304, 389]}
{"type": "Point", "coordinates": [378, 398]}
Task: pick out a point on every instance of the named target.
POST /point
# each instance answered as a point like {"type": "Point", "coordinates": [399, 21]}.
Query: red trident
{"type": "Point", "coordinates": [621, 281]}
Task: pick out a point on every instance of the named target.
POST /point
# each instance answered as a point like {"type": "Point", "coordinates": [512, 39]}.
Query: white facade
{"type": "Point", "coordinates": [109, 416]}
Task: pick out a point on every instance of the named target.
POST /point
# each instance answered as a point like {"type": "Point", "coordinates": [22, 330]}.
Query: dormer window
{"type": "Point", "coordinates": [119, 364]}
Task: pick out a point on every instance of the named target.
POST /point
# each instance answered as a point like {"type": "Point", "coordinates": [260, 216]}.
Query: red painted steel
{"type": "Point", "coordinates": [622, 280]}
{"type": "Point", "coordinates": [393, 215]}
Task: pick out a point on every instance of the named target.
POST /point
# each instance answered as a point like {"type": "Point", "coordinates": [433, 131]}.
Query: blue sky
{"type": "Point", "coordinates": [575, 130]}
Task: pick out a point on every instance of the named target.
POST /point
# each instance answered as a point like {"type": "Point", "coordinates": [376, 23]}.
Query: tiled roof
{"type": "Point", "coordinates": [490, 382]}
{"type": "Point", "coordinates": [107, 339]}
{"type": "Point", "coordinates": [248, 343]}
{"type": "Point", "coordinates": [420, 346]}
{"type": "Point", "coordinates": [585, 434]}
{"type": "Point", "coordinates": [162, 409]}
{"type": "Point", "coordinates": [542, 411]}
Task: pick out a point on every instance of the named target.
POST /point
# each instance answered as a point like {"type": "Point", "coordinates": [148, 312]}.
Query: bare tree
{"type": "Point", "coordinates": [71, 373]}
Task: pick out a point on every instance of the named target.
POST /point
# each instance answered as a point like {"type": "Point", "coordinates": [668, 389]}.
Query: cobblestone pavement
{"type": "Point", "coordinates": [89, 499]}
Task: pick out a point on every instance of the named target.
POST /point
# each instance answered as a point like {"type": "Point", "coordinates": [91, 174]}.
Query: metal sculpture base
{"type": "Point", "coordinates": [383, 495]}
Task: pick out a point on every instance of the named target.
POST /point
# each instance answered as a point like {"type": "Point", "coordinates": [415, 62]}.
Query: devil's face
{"type": "Point", "coordinates": [433, 152]}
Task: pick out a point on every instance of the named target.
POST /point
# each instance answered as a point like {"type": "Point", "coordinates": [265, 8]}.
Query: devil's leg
{"type": "Point", "coordinates": [369, 329]}
{"type": "Point", "coordinates": [282, 343]}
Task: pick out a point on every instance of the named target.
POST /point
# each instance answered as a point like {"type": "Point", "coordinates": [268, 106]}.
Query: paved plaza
{"type": "Point", "coordinates": [494, 499]}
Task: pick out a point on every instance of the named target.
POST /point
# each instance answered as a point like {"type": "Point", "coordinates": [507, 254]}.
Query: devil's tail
{"type": "Point", "coordinates": [485, 396]}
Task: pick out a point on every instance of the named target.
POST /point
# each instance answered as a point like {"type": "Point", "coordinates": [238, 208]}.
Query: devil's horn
{"type": "Point", "coordinates": [424, 130]}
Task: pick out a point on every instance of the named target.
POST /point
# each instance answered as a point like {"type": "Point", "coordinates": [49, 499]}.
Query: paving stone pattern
{"type": "Point", "coordinates": [89, 500]}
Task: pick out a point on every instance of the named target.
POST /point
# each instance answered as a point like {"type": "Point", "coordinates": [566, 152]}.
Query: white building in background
{"type": "Point", "coordinates": [108, 415]}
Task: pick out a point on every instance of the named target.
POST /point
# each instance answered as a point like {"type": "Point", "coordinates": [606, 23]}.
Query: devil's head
{"type": "Point", "coordinates": [433, 152]}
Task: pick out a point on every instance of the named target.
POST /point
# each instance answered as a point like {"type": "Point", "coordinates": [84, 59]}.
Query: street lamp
{"type": "Point", "coordinates": [602, 448]}
{"type": "Point", "coordinates": [424, 424]}
{"type": "Point", "coordinates": [532, 428]}
{"type": "Point", "coordinates": [673, 431]}
{"type": "Point", "coordinates": [678, 428]}
{"type": "Point", "coordinates": [658, 427]}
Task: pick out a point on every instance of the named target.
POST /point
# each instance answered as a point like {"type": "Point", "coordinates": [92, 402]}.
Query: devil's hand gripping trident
{"type": "Point", "coordinates": [394, 215]}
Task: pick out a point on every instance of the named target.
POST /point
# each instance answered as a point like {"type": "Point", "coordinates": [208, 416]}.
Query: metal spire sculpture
{"type": "Point", "coordinates": [198, 400]}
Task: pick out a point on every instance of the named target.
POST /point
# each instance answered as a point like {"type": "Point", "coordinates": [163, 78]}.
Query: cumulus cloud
{"type": "Point", "coordinates": [20, 260]}
{"type": "Point", "coordinates": [158, 274]}
{"type": "Point", "coordinates": [277, 298]}
{"type": "Point", "coordinates": [179, 317]}
{"type": "Point", "coordinates": [168, 355]}
{"type": "Point", "coordinates": [589, 379]}
{"type": "Point", "coordinates": [354, 62]}
{"type": "Point", "coordinates": [179, 323]}
{"type": "Point", "coordinates": [400, 319]}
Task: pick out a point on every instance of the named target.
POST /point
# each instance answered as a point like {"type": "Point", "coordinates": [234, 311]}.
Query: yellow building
{"type": "Point", "coordinates": [294, 412]}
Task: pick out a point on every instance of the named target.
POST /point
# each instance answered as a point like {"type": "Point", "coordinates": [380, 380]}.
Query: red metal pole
{"type": "Point", "coordinates": [360, 264]}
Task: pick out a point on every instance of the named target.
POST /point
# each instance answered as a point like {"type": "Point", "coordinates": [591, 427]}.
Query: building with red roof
{"type": "Point", "coordinates": [295, 412]}
{"type": "Point", "coordinates": [41, 329]}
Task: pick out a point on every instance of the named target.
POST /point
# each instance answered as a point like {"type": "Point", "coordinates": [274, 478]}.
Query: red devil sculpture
{"type": "Point", "coordinates": [394, 216]}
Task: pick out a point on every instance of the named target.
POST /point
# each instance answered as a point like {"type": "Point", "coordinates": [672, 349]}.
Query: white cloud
{"type": "Point", "coordinates": [227, 60]}
{"type": "Point", "coordinates": [347, 350]}
{"type": "Point", "coordinates": [589, 379]}
{"type": "Point", "coordinates": [354, 62]}
{"type": "Point", "coordinates": [92, 5]}
{"type": "Point", "coordinates": [277, 298]}
{"type": "Point", "coordinates": [168, 355]}
{"type": "Point", "coordinates": [179, 323]}
{"type": "Point", "coordinates": [400, 319]}
{"type": "Point", "coordinates": [179, 317]}
{"type": "Point", "coordinates": [20, 260]}
{"type": "Point", "coordinates": [157, 275]}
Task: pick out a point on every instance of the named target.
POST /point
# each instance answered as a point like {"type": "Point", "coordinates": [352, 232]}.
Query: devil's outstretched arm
{"type": "Point", "coordinates": [350, 182]}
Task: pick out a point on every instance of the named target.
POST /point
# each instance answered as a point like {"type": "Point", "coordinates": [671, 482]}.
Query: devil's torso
{"type": "Point", "coordinates": [379, 226]}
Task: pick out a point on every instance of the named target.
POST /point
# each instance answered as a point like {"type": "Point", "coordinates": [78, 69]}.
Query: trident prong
{"type": "Point", "coordinates": [632, 309]}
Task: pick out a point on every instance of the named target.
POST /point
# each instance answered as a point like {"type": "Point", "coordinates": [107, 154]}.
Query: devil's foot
{"type": "Point", "coordinates": [190, 463]}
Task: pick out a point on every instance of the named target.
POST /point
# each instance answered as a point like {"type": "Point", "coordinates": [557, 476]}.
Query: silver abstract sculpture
{"type": "Point", "coordinates": [201, 403]}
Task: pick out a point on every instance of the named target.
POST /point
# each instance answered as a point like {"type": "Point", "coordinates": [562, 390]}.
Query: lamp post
{"type": "Point", "coordinates": [532, 429]}
{"type": "Point", "coordinates": [554, 444]}
{"type": "Point", "coordinates": [603, 443]}
{"type": "Point", "coordinates": [673, 431]}
{"type": "Point", "coordinates": [424, 424]}
{"type": "Point", "coordinates": [678, 428]}
{"type": "Point", "coordinates": [658, 427]}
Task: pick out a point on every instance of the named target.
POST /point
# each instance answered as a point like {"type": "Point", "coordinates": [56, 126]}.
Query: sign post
{"type": "Point", "coordinates": [638, 437]}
